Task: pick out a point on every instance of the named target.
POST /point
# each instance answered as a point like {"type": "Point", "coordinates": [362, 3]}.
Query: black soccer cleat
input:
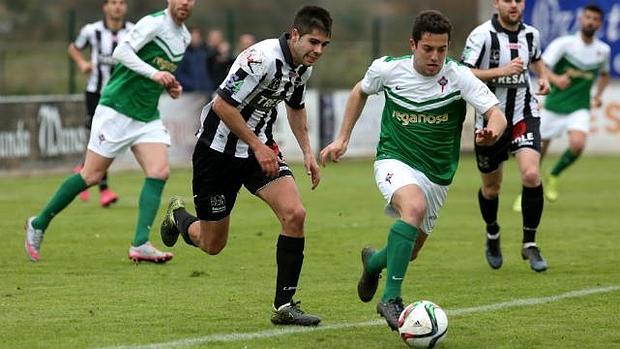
{"type": "Point", "coordinates": [168, 230]}
{"type": "Point", "coordinates": [537, 262]}
{"type": "Point", "coordinates": [390, 311]}
{"type": "Point", "coordinates": [493, 253]}
{"type": "Point", "coordinates": [291, 314]}
{"type": "Point", "coordinates": [367, 286]}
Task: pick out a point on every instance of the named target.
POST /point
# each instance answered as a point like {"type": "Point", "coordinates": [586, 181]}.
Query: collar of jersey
{"type": "Point", "coordinates": [498, 27]}
{"type": "Point", "coordinates": [286, 51]}
{"type": "Point", "coordinates": [105, 25]}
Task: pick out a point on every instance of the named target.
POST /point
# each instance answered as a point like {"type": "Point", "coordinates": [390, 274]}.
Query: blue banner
{"type": "Point", "coordinates": [554, 18]}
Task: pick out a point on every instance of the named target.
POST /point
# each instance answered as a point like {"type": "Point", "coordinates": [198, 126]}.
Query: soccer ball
{"type": "Point", "coordinates": [423, 324]}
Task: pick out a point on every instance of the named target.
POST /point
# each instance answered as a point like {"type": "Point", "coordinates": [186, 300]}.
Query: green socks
{"type": "Point", "coordinates": [401, 240]}
{"type": "Point", "coordinates": [67, 191]}
{"type": "Point", "coordinates": [566, 160]}
{"type": "Point", "coordinates": [150, 198]}
{"type": "Point", "coordinates": [377, 261]}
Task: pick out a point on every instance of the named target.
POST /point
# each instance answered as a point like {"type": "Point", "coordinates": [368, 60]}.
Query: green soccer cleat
{"type": "Point", "coordinates": [168, 230]}
{"type": "Point", "coordinates": [550, 187]}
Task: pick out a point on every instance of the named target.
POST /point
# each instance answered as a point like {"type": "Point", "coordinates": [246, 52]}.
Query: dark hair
{"type": "Point", "coordinates": [430, 21]}
{"type": "Point", "coordinates": [594, 8]}
{"type": "Point", "coordinates": [309, 18]}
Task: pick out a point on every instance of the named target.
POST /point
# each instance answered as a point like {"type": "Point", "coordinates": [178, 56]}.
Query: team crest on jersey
{"type": "Point", "coordinates": [443, 81]}
{"type": "Point", "coordinates": [253, 60]}
{"type": "Point", "coordinates": [494, 57]}
{"type": "Point", "coordinates": [274, 84]}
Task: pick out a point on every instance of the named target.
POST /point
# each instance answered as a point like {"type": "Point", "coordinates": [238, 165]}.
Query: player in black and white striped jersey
{"type": "Point", "coordinates": [500, 53]}
{"type": "Point", "coordinates": [101, 37]}
{"type": "Point", "coordinates": [236, 147]}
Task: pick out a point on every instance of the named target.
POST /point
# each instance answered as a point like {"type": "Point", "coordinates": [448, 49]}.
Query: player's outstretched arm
{"type": "Point", "coordinates": [298, 120]}
{"type": "Point", "coordinates": [353, 110]}
{"type": "Point", "coordinates": [496, 126]}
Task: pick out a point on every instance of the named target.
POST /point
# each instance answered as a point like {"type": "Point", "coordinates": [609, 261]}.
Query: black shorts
{"type": "Point", "coordinates": [524, 134]}
{"type": "Point", "coordinates": [92, 99]}
{"type": "Point", "coordinates": [218, 177]}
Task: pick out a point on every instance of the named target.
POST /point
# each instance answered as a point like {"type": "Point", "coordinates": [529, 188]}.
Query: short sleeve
{"type": "Point", "coordinates": [537, 54]}
{"type": "Point", "coordinates": [373, 80]}
{"type": "Point", "coordinates": [81, 42]}
{"type": "Point", "coordinates": [553, 53]}
{"type": "Point", "coordinates": [297, 98]}
{"type": "Point", "coordinates": [144, 31]}
{"type": "Point", "coordinates": [605, 65]}
{"type": "Point", "coordinates": [244, 76]}
{"type": "Point", "coordinates": [474, 49]}
{"type": "Point", "coordinates": [474, 91]}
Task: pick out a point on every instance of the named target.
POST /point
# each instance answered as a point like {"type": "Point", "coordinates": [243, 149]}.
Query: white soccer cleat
{"type": "Point", "coordinates": [34, 237]}
{"type": "Point", "coordinates": [148, 253]}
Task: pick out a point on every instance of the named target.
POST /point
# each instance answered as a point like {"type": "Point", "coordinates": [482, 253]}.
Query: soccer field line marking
{"type": "Point", "coordinates": [233, 337]}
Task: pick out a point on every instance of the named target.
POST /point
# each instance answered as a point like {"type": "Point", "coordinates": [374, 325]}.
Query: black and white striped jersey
{"type": "Point", "coordinates": [260, 78]}
{"type": "Point", "coordinates": [491, 46]}
{"type": "Point", "coordinates": [102, 42]}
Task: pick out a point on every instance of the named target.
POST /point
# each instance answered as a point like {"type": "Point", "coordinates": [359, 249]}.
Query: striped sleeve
{"type": "Point", "coordinates": [82, 41]}
{"type": "Point", "coordinates": [536, 48]}
{"type": "Point", "coordinates": [297, 98]}
{"type": "Point", "coordinates": [244, 77]}
{"type": "Point", "coordinates": [475, 48]}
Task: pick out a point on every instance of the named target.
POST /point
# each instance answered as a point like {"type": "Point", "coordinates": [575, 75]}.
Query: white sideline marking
{"type": "Point", "coordinates": [233, 337]}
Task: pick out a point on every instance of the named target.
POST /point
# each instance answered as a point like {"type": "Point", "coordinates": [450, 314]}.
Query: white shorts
{"type": "Point", "coordinates": [112, 132]}
{"type": "Point", "coordinates": [392, 175]}
{"type": "Point", "coordinates": [552, 124]}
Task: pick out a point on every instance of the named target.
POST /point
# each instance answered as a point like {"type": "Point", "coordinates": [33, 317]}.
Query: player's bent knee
{"type": "Point", "coordinates": [294, 216]}
{"type": "Point", "coordinates": [491, 191]}
{"type": "Point", "coordinates": [92, 178]}
{"type": "Point", "coordinates": [577, 149]}
{"type": "Point", "coordinates": [531, 178]}
{"type": "Point", "coordinates": [162, 174]}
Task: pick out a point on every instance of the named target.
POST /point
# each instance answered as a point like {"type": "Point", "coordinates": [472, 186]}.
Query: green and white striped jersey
{"type": "Point", "coordinates": [161, 43]}
{"type": "Point", "coordinates": [423, 115]}
{"type": "Point", "coordinates": [583, 63]}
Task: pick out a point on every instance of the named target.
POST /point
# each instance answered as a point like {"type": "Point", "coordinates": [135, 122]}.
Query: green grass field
{"type": "Point", "coordinates": [86, 294]}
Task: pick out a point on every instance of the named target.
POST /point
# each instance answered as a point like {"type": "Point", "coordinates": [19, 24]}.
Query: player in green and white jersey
{"type": "Point", "coordinates": [575, 62]}
{"type": "Point", "coordinates": [419, 146]}
{"type": "Point", "coordinates": [127, 117]}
